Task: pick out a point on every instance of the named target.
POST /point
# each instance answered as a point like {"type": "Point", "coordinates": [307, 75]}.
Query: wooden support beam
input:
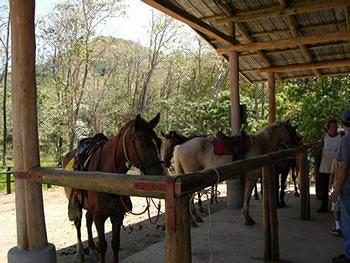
{"type": "Point", "coordinates": [185, 17]}
{"type": "Point", "coordinates": [285, 51]}
{"type": "Point", "coordinates": [29, 206]}
{"type": "Point", "coordinates": [300, 67]}
{"type": "Point", "coordinates": [309, 76]}
{"type": "Point", "coordinates": [277, 11]}
{"type": "Point", "coordinates": [178, 240]}
{"type": "Point", "coordinates": [270, 221]}
{"type": "Point", "coordinates": [293, 30]}
{"type": "Point", "coordinates": [347, 16]}
{"type": "Point", "coordinates": [244, 32]}
{"type": "Point", "coordinates": [272, 96]}
{"type": "Point", "coordinates": [282, 43]}
{"type": "Point", "coordinates": [305, 186]}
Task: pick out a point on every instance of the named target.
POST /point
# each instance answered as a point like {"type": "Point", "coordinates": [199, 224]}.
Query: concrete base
{"type": "Point", "coordinates": [235, 190]}
{"type": "Point", "coordinates": [19, 255]}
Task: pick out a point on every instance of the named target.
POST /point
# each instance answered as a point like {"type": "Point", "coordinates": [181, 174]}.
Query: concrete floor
{"type": "Point", "coordinates": [300, 241]}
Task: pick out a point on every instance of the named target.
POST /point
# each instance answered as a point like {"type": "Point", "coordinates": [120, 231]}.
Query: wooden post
{"type": "Point", "coordinates": [235, 188]}
{"type": "Point", "coordinates": [31, 231]}
{"type": "Point", "coordinates": [304, 186]}
{"type": "Point", "coordinates": [272, 97]}
{"type": "Point", "coordinates": [8, 180]}
{"type": "Point", "coordinates": [270, 221]}
{"type": "Point", "coordinates": [178, 240]}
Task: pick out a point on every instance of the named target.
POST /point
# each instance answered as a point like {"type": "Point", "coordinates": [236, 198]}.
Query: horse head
{"type": "Point", "coordinates": [287, 134]}
{"type": "Point", "coordinates": [170, 140]}
{"type": "Point", "coordinates": [141, 145]}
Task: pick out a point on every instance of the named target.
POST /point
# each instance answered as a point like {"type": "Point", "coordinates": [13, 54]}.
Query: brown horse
{"type": "Point", "coordinates": [136, 145]}
{"type": "Point", "coordinates": [197, 154]}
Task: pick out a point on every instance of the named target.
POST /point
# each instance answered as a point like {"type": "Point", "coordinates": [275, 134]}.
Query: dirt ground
{"type": "Point", "coordinates": [137, 232]}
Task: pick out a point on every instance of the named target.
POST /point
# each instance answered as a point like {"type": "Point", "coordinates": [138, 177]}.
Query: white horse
{"type": "Point", "coordinates": [198, 154]}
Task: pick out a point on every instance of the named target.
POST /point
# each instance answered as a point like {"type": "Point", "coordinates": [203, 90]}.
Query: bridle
{"type": "Point", "coordinates": [140, 165]}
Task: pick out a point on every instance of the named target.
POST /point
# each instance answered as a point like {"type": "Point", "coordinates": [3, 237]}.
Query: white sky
{"type": "Point", "coordinates": [131, 27]}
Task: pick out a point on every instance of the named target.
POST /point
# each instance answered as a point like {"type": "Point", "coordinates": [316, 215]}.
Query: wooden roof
{"type": "Point", "coordinates": [295, 39]}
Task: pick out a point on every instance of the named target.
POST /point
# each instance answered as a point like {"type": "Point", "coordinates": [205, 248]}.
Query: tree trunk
{"type": "Point", "coordinates": [4, 143]}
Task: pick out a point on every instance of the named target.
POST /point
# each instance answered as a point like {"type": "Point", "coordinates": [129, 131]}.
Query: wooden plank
{"type": "Point", "coordinates": [266, 214]}
{"type": "Point", "coordinates": [104, 182]}
{"type": "Point", "coordinates": [271, 96]}
{"type": "Point", "coordinates": [292, 50]}
{"type": "Point", "coordinates": [293, 30]}
{"type": "Point", "coordinates": [8, 181]}
{"type": "Point", "coordinates": [178, 242]}
{"type": "Point", "coordinates": [304, 187]}
{"type": "Point", "coordinates": [234, 94]}
{"type": "Point", "coordinates": [31, 230]}
{"type": "Point", "coordinates": [277, 11]}
{"type": "Point", "coordinates": [185, 17]}
{"type": "Point", "coordinates": [300, 67]}
{"type": "Point", "coordinates": [282, 43]}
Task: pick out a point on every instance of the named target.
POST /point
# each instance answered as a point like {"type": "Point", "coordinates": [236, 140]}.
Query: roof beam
{"type": "Point", "coordinates": [347, 72]}
{"type": "Point", "coordinates": [244, 32]}
{"type": "Point", "coordinates": [185, 17]}
{"type": "Point", "coordinates": [276, 11]}
{"type": "Point", "coordinates": [308, 66]}
{"type": "Point", "coordinates": [283, 51]}
{"type": "Point", "coordinates": [287, 42]}
{"type": "Point", "coordinates": [293, 30]}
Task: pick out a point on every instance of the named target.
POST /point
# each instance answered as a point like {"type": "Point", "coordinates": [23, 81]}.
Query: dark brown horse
{"type": "Point", "coordinates": [136, 145]}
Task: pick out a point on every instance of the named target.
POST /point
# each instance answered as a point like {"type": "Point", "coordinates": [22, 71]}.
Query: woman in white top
{"type": "Point", "coordinates": [329, 149]}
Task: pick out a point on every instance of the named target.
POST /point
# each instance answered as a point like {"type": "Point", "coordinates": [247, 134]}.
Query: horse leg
{"type": "Point", "coordinates": [212, 194]}
{"type": "Point", "coordinates": [115, 243]}
{"type": "Point", "coordinates": [80, 248]}
{"type": "Point", "coordinates": [92, 247]}
{"type": "Point", "coordinates": [216, 193]}
{"type": "Point", "coordinates": [294, 178]}
{"type": "Point", "coordinates": [102, 244]}
{"type": "Point", "coordinates": [200, 202]}
{"type": "Point", "coordinates": [192, 209]}
{"type": "Point", "coordinates": [250, 181]}
{"type": "Point", "coordinates": [194, 213]}
{"type": "Point", "coordinates": [284, 176]}
{"type": "Point", "coordinates": [256, 194]}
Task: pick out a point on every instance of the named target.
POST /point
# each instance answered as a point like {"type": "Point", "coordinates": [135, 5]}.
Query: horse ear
{"type": "Point", "coordinates": [138, 122]}
{"type": "Point", "coordinates": [153, 123]}
{"type": "Point", "coordinates": [289, 122]}
{"type": "Point", "coordinates": [164, 135]}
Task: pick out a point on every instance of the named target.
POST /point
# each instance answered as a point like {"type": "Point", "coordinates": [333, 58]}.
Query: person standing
{"type": "Point", "coordinates": [329, 149]}
{"type": "Point", "coordinates": [342, 187]}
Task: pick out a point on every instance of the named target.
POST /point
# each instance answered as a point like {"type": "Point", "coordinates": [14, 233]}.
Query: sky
{"type": "Point", "coordinates": [131, 27]}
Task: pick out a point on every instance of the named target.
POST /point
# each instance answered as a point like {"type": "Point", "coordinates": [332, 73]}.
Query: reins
{"type": "Point", "coordinates": [129, 164]}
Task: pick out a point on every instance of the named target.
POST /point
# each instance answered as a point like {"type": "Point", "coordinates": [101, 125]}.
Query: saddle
{"type": "Point", "coordinates": [237, 145]}
{"type": "Point", "coordinates": [86, 148]}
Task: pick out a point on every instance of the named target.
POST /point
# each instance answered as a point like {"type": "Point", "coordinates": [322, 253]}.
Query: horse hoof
{"type": "Point", "coordinates": [79, 258]}
{"type": "Point", "coordinates": [296, 194]}
{"type": "Point", "coordinates": [194, 224]}
{"type": "Point", "coordinates": [199, 220]}
{"type": "Point", "coordinates": [249, 222]}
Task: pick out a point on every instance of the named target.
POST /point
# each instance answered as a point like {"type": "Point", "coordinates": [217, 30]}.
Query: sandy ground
{"type": "Point", "coordinates": [137, 232]}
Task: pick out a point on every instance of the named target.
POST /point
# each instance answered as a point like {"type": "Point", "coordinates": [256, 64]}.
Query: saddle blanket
{"type": "Point", "coordinates": [220, 148]}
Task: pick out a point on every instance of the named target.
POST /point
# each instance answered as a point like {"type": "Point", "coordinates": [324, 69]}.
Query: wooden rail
{"type": "Point", "coordinates": [176, 189]}
{"type": "Point", "coordinates": [8, 180]}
